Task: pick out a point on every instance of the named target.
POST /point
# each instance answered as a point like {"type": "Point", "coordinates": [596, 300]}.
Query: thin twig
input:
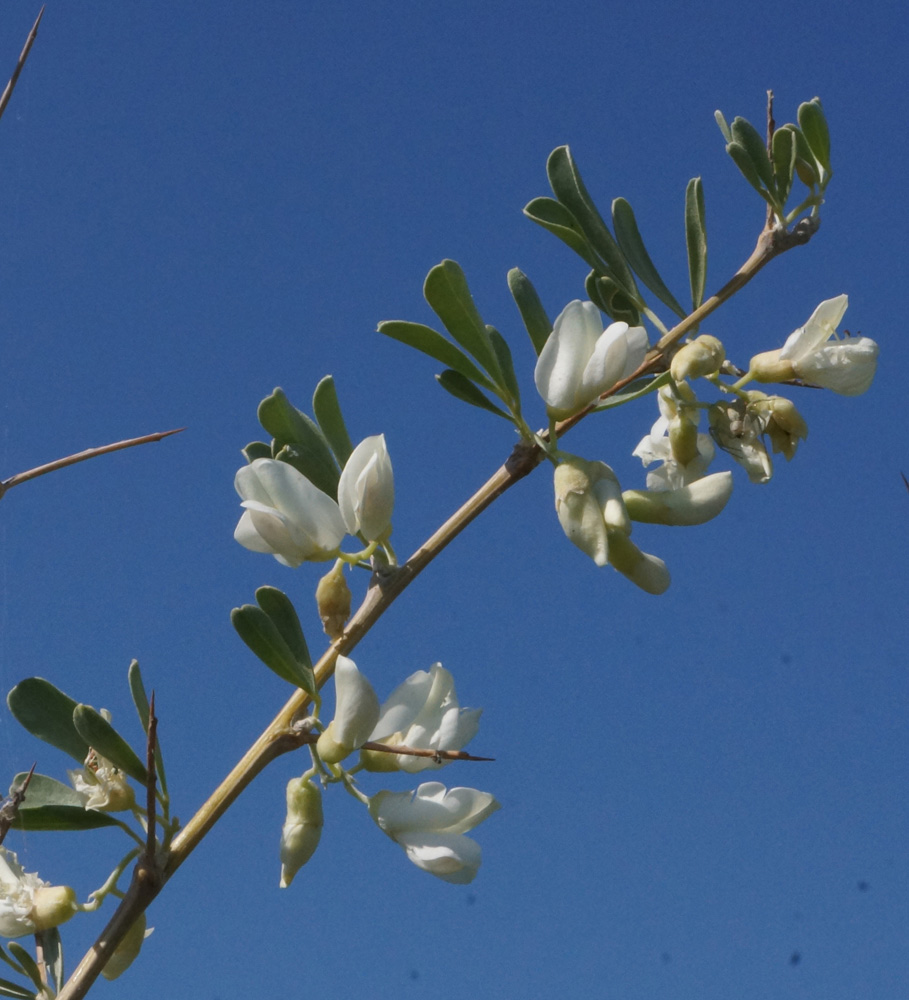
{"type": "Point", "coordinates": [23, 55]}
{"type": "Point", "coordinates": [82, 456]}
{"type": "Point", "coordinates": [150, 744]}
{"type": "Point", "coordinates": [9, 811]}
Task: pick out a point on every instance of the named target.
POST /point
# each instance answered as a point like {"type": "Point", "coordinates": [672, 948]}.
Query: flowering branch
{"type": "Point", "coordinates": [387, 584]}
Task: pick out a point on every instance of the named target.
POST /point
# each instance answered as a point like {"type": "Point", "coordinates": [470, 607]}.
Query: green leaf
{"type": "Point", "coordinates": [696, 239]}
{"type": "Point", "coordinates": [105, 740]}
{"type": "Point", "coordinates": [608, 296]}
{"type": "Point", "coordinates": [306, 447]}
{"type": "Point", "coordinates": [8, 989]}
{"type": "Point", "coordinates": [629, 237]}
{"type": "Point", "coordinates": [256, 449]}
{"type": "Point", "coordinates": [724, 128]}
{"type": "Point", "coordinates": [531, 308]}
{"type": "Point", "coordinates": [446, 291]}
{"type": "Point", "coordinates": [747, 136]}
{"type": "Point", "coordinates": [46, 712]}
{"type": "Point", "coordinates": [568, 187]}
{"type": "Point", "coordinates": [813, 124]}
{"type": "Point", "coordinates": [555, 217]}
{"type": "Point", "coordinates": [140, 700]}
{"type": "Point", "coordinates": [463, 389]}
{"type": "Point", "coordinates": [53, 956]}
{"type": "Point", "coordinates": [262, 636]}
{"type": "Point", "coordinates": [327, 411]}
{"type": "Point", "coordinates": [634, 390]}
{"type": "Point", "coordinates": [506, 364]}
{"type": "Point", "coordinates": [27, 962]}
{"type": "Point", "coordinates": [430, 342]}
{"type": "Point", "coordinates": [783, 156]}
{"type": "Point", "coordinates": [279, 608]}
{"type": "Point", "coordinates": [51, 805]}
{"type": "Point", "coordinates": [743, 161]}
{"type": "Point", "coordinates": [11, 962]}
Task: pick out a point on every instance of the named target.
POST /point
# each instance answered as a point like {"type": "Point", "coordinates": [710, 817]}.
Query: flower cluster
{"type": "Point", "coordinates": [290, 518]}
{"type": "Point", "coordinates": [578, 364]}
{"type": "Point", "coordinates": [422, 714]}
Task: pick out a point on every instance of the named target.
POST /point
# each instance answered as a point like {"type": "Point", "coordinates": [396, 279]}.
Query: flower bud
{"type": "Point", "coordinates": [366, 490]}
{"type": "Point", "coordinates": [697, 503]}
{"type": "Point", "coordinates": [333, 600]}
{"type": "Point", "coordinates": [702, 356]}
{"type": "Point", "coordinates": [302, 828]}
{"type": "Point", "coordinates": [53, 905]}
{"type": "Point", "coordinates": [683, 438]}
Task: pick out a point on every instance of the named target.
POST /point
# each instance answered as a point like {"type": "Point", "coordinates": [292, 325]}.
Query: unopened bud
{"type": "Point", "coordinates": [302, 827]}
{"type": "Point", "coordinates": [703, 356]}
{"type": "Point", "coordinates": [683, 438]}
{"type": "Point", "coordinates": [333, 600]}
{"type": "Point", "coordinates": [52, 905]}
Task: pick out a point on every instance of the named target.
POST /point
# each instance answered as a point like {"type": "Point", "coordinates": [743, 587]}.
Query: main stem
{"type": "Point", "coordinates": [278, 737]}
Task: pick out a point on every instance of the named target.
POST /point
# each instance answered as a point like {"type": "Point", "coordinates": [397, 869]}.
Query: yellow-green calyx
{"type": "Point", "coordinates": [333, 600]}
{"type": "Point", "coordinates": [769, 367]}
{"type": "Point", "coordinates": [703, 356]}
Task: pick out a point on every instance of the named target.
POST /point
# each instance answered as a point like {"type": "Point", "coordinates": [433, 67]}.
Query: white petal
{"type": "Point", "coordinates": [846, 366]}
{"type": "Point", "coordinates": [562, 361]}
{"type": "Point", "coordinates": [366, 493]}
{"type": "Point", "coordinates": [694, 504]}
{"type": "Point", "coordinates": [357, 708]}
{"type": "Point", "coordinates": [820, 327]}
{"type": "Point", "coordinates": [452, 858]}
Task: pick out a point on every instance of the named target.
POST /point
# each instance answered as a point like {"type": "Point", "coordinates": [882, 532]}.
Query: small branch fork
{"type": "Point", "coordinates": [279, 738]}
{"type": "Point", "coordinates": [9, 811]}
{"type": "Point", "coordinates": [82, 456]}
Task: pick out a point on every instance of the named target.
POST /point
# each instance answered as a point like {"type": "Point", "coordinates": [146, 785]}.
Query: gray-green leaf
{"type": "Point", "coordinates": [629, 237]}
{"type": "Point", "coordinates": [531, 308]}
{"type": "Point", "coordinates": [307, 449]}
{"type": "Point", "coordinates": [463, 389]}
{"type": "Point", "coordinates": [431, 342]}
{"type": "Point", "coordinates": [105, 740]}
{"type": "Point", "coordinates": [696, 239]}
{"type": "Point", "coordinates": [46, 712]}
{"type": "Point", "coordinates": [327, 411]}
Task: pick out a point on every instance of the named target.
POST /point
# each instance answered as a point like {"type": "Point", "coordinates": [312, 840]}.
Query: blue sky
{"type": "Point", "coordinates": [203, 202]}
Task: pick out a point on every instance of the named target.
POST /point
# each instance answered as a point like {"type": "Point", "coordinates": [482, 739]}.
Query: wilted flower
{"type": "Point", "coordinates": [783, 422]}
{"type": "Point", "coordinates": [430, 824]}
{"type": "Point", "coordinates": [102, 785]}
{"type": "Point", "coordinates": [356, 713]}
{"type": "Point", "coordinates": [581, 360]}
{"type": "Point", "coordinates": [737, 428]}
{"type": "Point", "coordinates": [422, 713]}
{"type": "Point", "coordinates": [366, 491]}
{"type": "Point", "coordinates": [816, 354]}
{"type": "Point", "coordinates": [285, 514]}
{"type": "Point", "coordinates": [28, 903]}
{"type": "Point", "coordinates": [302, 827]}
{"type": "Point", "coordinates": [687, 505]}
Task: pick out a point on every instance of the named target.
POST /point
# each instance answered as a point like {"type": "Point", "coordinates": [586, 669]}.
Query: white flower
{"type": "Point", "coordinates": [356, 713]}
{"type": "Point", "coordinates": [302, 827]}
{"type": "Point", "coordinates": [672, 474]}
{"type": "Point", "coordinates": [422, 713]}
{"type": "Point", "coordinates": [816, 354]}
{"type": "Point", "coordinates": [28, 903]}
{"type": "Point", "coordinates": [285, 514]}
{"type": "Point", "coordinates": [430, 824]}
{"type": "Point", "coordinates": [366, 491]}
{"type": "Point", "coordinates": [593, 515]}
{"type": "Point", "coordinates": [687, 505]}
{"type": "Point", "coordinates": [581, 360]}
{"type": "Point", "coordinates": [588, 501]}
